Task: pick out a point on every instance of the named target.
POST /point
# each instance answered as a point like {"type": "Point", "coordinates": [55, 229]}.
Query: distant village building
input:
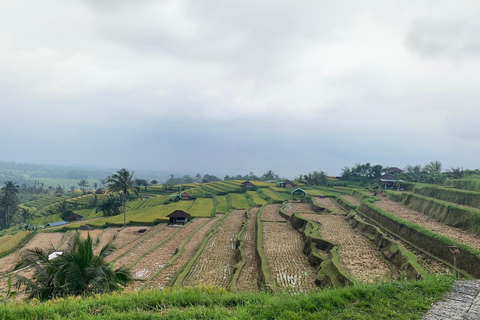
{"type": "Point", "coordinates": [54, 224]}
{"type": "Point", "coordinates": [73, 217]}
{"type": "Point", "coordinates": [247, 185]}
{"type": "Point", "coordinates": [178, 217]}
{"type": "Point", "coordinates": [185, 196]}
{"type": "Point", "coordinates": [299, 193]}
{"type": "Point", "coordinates": [85, 227]}
{"type": "Point", "coordinates": [99, 191]}
{"type": "Point", "coordinates": [287, 184]}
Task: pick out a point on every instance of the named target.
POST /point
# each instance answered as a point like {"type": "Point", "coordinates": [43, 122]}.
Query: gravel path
{"type": "Point", "coordinates": [462, 303]}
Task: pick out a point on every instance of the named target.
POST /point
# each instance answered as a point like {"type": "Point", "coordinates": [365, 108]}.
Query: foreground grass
{"type": "Point", "coordinates": [395, 300]}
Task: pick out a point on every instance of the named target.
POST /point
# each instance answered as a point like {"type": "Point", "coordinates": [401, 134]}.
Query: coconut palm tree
{"type": "Point", "coordinates": [75, 271]}
{"type": "Point", "coordinates": [9, 198]}
{"type": "Point", "coordinates": [122, 181]}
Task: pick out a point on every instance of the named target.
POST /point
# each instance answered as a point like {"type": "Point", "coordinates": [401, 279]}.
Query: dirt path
{"type": "Point", "coordinates": [156, 259]}
{"type": "Point", "coordinates": [271, 212]}
{"type": "Point", "coordinates": [248, 279]}
{"type": "Point", "coordinates": [214, 266]}
{"type": "Point", "coordinates": [298, 207]}
{"type": "Point", "coordinates": [428, 223]}
{"type": "Point", "coordinates": [143, 247]}
{"type": "Point", "coordinates": [289, 267]}
{"type": "Point", "coordinates": [359, 257]}
{"type": "Point", "coordinates": [329, 204]}
{"type": "Point", "coordinates": [166, 275]}
{"type": "Point", "coordinates": [351, 199]}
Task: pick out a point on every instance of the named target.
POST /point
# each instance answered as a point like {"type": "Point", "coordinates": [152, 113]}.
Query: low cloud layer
{"type": "Point", "coordinates": [236, 87]}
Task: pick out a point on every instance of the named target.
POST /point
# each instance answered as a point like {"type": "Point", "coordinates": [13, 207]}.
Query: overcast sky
{"type": "Point", "coordinates": [227, 87]}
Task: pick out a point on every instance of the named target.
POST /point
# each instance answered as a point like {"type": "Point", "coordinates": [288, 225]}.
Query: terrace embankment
{"type": "Point", "coordinates": [283, 246]}
{"type": "Point", "coordinates": [428, 223]}
{"type": "Point", "coordinates": [359, 257]}
{"type": "Point", "coordinates": [215, 265]}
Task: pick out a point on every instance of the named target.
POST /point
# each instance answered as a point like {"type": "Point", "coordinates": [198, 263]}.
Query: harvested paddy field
{"type": "Point", "coordinates": [187, 249]}
{"type": "Point", "coordinates": [290, 269]}
{"type": "Point", "coordinates": [271, 212]}
{"type": "Point", "coordinates": [214, 266]}
{"type": "Point", "coordinates": [94, 234]}
{"type": "Point", "coordinates": [129, 237]}
{"type": "Point", "coordinates": [107, 236]}
{"type": "Point", "coordinates": [298, 207]}
{"type": "Point", "coordinates": [359, 257]}
{"type": "Point", "coordinates": [329, 204]}
{"type": "Point", "coordinates": [43, 241]}
{"type": "Point", "coordinates": [156, 259]}
{"type": "Point", "coordinates": [248, 279]}
{"type": "Point", "coordinates": [351, 199]}
{"type": "Point", "coordinates": [142, 248]}
{"type": "Point", "coordinates": [424, 221]}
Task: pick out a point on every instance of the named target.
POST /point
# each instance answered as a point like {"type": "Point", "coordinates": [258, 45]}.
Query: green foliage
{"type": "Point", "coordinates": [77, 271]}
{"type": "Point", "coordinates": [471, 183]}
{"type": "Point", "coordinates": [462, 197]}
{"type": "Point", "coordinates": [239, 201]}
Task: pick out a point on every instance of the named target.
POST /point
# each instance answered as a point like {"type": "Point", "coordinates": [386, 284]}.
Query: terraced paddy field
{"type": "Point", "coordinates": [289, 267]}
{"type": "Point", "coordinates": [428, 223]}
{"type": "Point", "coordinates": [359, 257]}
{"type": "Point", "coordinates": [298, 207]}
{"type": "Point", "coordinates": [177, 263]}
{"type": "Point", "coordinates": [271, 212]}
{"type": "Point", "coordinates": [248, 279]}
{"type": "Point", "coordinates": [329, 204]}
{"type": "Point", "coordinates": [158, 254]}
{"type": "Point", "coordinates": [351, 199]}
{"type": "Point", "coordinates": [215, 265]}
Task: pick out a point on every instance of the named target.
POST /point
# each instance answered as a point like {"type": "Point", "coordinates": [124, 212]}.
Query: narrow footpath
{"type": "Point", "coordinates": [461, 303]}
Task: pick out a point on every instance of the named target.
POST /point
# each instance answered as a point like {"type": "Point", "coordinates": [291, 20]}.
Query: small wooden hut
{"type": "Point", "coordinates": [178, 217]}
{"type": "Point", "coordinates": [85, 227]}
{"type": "Point", "coordinates": [185, 196]}
{"type": "Point", "coordinates": [287, 184]}
{"type": "Point", "coordinates": [73, 217]}
{"type": "Point", "coordinates": [247, 185]}
{"type": "Point", "coordinates": [299, 193]}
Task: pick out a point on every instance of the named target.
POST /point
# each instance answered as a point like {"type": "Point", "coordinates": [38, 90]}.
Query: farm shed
{"type": "Point", "coordinates": [178, 217]}
{"type": "Point", "coordinates": [99, 191]}
{"type": "Point", "coordinates": [287, 184]}
{"type": "Point", "coordinates": [299, 193]}
{"type": "Point", "coordinates": [247, 185]}
{"type": "Point", "coordinates": [387, 181]}
{"type": "Point", "coordinates": [54, 224]}
{"type": "Point", "coordinates": [185, 196]}
{"type": "Point", "coordinates": [85, 227]}
{"type": "Point", "coordinates": [73, 217]}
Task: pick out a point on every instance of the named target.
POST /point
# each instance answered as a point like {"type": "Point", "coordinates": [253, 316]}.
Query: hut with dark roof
{"type": "Point", "coordinates": [299, 193]}
{"type": "Point", "coordinates": [185, 196]}
{"type": "Point", "coordinates": [73, 217]}
{"type": "Point", "coordinates": [178, 217]}
{"type": "Point", "coordinates": [85, 227]}
{"type": "Point", "coordinates": [247, 185]}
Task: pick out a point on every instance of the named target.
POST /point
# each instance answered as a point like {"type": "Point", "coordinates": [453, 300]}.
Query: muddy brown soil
{"type": "Point", "coordinates": [214, 266]}
{"type": "Point", "coordinates": [359, 257]}
{"type": "Point", "coordinates": [422, 220]}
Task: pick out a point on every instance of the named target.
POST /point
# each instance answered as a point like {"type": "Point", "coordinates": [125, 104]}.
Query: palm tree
{"type": "Point", "coordinates": [25, 215]}
{"type": "Point", "coordinates": [122, 181]}
{"type": "Point", "coordinates": [76, 271]}
{"type": "Point", "coordinates": [83, 184]}
{"type": "Point", "coordinates": [9, 198]}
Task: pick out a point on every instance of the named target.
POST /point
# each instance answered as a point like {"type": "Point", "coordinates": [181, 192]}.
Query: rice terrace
{"type": "Point", "coordinates": [246, 241]}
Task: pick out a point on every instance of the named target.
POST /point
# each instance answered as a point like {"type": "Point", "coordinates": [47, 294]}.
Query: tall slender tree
{"type": "Point", "coordinates": [122, 181]}
{"type": "Point", "coordinates": [9, 198]}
